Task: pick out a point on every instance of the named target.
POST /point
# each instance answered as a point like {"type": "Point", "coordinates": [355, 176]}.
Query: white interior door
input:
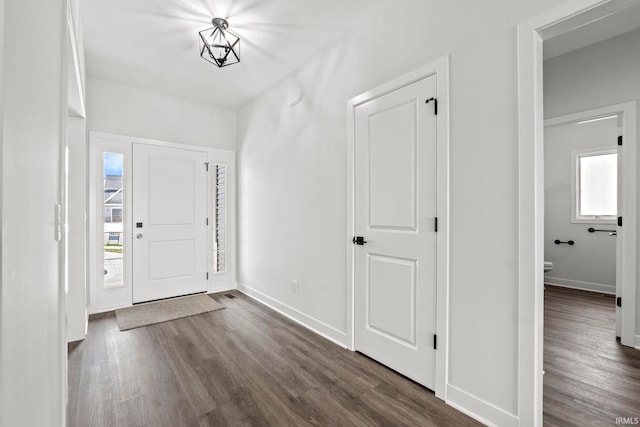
{"type": "Point", "coordinates": [395, 210]}
{"type": "Point", "coordinates": [169, 222]}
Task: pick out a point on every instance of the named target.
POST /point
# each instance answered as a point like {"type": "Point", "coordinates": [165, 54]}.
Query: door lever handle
{"type": "Point", "coordinates": [359, 240]}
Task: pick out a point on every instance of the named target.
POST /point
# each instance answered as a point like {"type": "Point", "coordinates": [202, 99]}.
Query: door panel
{"type": "Point", "coordinates": [392, 172]}
{"type": "Point", "coordinates": [171, 193]}
{"type": "Point", "coordinates": [171, 259]}
{"type": "Point", "coordinates": [395, 207]}
{"type": "Point", "coordinates": [392, 283]}
{"type": "Point", "coordinates": [169, 222]}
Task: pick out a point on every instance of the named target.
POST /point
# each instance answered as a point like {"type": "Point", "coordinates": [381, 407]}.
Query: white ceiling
{"type": "Point", "coordinates": [593, 32]}
{"type": "Point", "coordinates": [153, 44]}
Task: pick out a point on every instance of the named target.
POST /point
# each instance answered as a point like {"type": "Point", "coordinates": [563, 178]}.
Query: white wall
{"type": "Point", "coordinates": [77, 229]}
{"type": "Point", "coordinates": [292, 178]}
{"type": "Point", "coordinates": [32, 312]}
{"type": "Point", "coordinates": [1, 203]}
{"type": "Point", "coordinates": [125, 110]}
{"type": "Point", "coordinates": [590, 264]}
{"type": "Point", "coordinates": [603, 74]}
{"type": "Point", "coordinates": [77, 316]}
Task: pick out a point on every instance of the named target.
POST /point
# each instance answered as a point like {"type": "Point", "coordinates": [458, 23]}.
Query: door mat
{"type": "Point", "coordinates": [163, 311]}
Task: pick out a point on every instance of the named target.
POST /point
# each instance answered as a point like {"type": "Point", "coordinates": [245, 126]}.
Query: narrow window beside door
{"type": "Point", "coordinates": [220, 219]}
{"type": "Point", "coordinates": [113, 230]}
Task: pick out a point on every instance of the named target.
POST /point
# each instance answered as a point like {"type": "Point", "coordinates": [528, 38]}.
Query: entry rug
{"type": "Point", "coordinates": [163, 311]}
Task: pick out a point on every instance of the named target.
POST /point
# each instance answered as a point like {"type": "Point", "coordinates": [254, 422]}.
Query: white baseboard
{"type": "Point", "coordinates": [119, 306]}
{"type": "Point", "coordinates": [221, 289]}
{"type": "Point", "coordinates": [637, 344]}
{"type": "Point", "coordinates": [106, 309]}
{"type": "Point", "coordinates": [583, 286]}
{"type": "Point", "coordinates": [479, 409]}
{"type": "Point", "coordinates": [315, 325]}
{"type": "Point", "coordinates": [78, 334]}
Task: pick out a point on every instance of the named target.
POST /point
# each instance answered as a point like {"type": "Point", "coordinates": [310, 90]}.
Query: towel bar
{"type": "Point", "coordinates": [570, 242]}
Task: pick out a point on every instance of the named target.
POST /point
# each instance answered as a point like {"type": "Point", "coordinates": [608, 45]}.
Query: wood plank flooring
{"type": "Point", "coordinates": [590, 378]}
{"type": "Point", "coordinates": [245, 365]}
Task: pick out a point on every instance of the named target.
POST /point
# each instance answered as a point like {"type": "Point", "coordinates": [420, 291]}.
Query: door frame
{"type": "Point", "coordinates": [440, 67]}
{"type": "Point", "coordinates": [530, 35]}
{"type": "Point", "coordinates": [218, 282]}
{"type": "Point", "coordinates": [625, 263]}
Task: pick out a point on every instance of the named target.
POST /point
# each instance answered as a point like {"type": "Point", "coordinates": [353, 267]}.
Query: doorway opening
{"type": "Point", "coordinates": [584, 171]}
{"type": "Point", "coordinates": [584, 181]}
{"type": "Point", "coordinates": [572, 30]}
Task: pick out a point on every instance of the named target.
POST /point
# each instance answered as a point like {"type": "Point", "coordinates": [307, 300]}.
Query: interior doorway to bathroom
{"type": "Point", "coordinates": [584, 156]}
{"type": "Point", "coordinates": [590, 188]}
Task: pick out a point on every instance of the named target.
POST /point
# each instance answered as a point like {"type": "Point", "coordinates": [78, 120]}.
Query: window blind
{"type": "Point", "coordinates": [220, 219]}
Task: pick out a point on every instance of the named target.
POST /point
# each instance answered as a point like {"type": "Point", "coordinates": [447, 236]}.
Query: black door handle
{"type": "Point", "coordinates": [359, 240]}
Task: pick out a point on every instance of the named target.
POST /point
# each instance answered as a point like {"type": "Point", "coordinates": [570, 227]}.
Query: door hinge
{"type": "Point", "coordinates": [435, 224]}
{"type": "Point", "coordinates": [435, 104]}
{"type": "Point", "coordinates": [435, 342]}
{"type": "Point", "coordinates": [620, 140]}
{"type": "Point", "coordinates": [207, 276]}
{"type": "Point", "coordinates": [206, 166]}
{"type": "Point", "coordinates": [619, 221]}
{"type": "Point", "coordinates": [619, 301]}
{"type": "Point", "coordinates": [207, 221]}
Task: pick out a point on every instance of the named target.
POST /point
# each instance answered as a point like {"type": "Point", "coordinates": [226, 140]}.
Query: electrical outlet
{"type": "Point", "coordinates": [294, 286]}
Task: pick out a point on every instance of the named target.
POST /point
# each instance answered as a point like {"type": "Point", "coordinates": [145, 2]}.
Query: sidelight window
{"type": "Point", "coordinates": [220, 219]}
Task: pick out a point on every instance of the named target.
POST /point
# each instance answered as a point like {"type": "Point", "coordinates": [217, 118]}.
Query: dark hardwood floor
{"type": "Point", "coordinates": [590, 378]}
{"type": "Point", "coordinates": [245, 365]}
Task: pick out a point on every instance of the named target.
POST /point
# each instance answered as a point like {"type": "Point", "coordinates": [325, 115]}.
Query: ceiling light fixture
{"type": "Point", "coordinates": [219, 45]}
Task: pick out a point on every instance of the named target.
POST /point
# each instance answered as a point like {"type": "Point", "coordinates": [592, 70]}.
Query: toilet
{"type": "Point", "coordinates": [548, 266]}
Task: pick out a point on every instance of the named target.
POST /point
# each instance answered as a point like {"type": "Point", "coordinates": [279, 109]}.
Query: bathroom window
{"type": "Point", "coordinates": [594, 186]}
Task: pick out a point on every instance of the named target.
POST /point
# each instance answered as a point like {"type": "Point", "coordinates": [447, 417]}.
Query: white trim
{"type": "Point", "coordinates": [119, 306]}
{"type": "Point", "coordinates": [68, 41]}
{"type": "Point", "coordinates": [637, 342]}
{"type": "Point", "coordinates": [158, 142]}
{"type": "Point", "coordinates": [76, 103]}
{"type": "Point", "coordinates": [580, 285]}
{"type": "Point", "coordinates": [569, 14]}
{"type": "Point", "coordinates": [442, 240]}
{"type": "Point", "coordinates": [122, 143]}
{"type": "Point", "coordinates": [218, 289]}
{"type": "Point", "coordinates": [314, 325]}
{"type": "Point", "coordinates": [479, 409]}
{"type": "Point", "coordinates": [582, 115]}
{"type": "Point", "coordinates": [440, 67]}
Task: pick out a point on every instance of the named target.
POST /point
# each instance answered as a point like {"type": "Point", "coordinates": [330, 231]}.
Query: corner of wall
{"type": "Point", "coordinates": [315, 325]}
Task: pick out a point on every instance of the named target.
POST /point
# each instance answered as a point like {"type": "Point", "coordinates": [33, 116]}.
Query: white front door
{"type": "Point", "coordinates": [169, 222]}
{"type": "Point", "coordinates": [395, 210]}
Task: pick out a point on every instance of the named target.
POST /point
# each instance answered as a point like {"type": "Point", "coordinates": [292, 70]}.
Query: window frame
{"type": "Point", "coordinates": [576, 155]}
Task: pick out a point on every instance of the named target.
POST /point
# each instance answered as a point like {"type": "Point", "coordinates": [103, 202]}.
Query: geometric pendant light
{"type": "Point", "coordinates": [219, 45]}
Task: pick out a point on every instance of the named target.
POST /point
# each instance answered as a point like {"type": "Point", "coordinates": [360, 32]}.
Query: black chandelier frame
{"type": "Point", "coordinates": [219, 46]}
